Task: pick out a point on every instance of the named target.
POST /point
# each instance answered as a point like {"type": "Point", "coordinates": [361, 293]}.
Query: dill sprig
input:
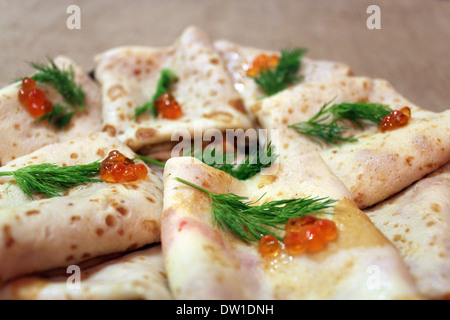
{"type": "Point", "coordinates": [167, 77]}
{"type": "Point", "coordinates": [51, 179]}
{"type": "Point", "coordinates": [356, 111]}
{"type": "Point", "coordinates": [258, 159]}
{"type": "Point", "coordinates": [285, 73]}
{"type": "Point", "coordinates": [253, 163]}
{"type": "Point", "coordinates": [248, 221]}
{"type": "Point", "coordinates": [328, 124]}
{"type": "Point", "coordinates": [62, 80]}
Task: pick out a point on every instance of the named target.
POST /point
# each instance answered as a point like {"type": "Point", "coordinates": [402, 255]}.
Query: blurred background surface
{"type": "Point", "coordinates": [411, 50]}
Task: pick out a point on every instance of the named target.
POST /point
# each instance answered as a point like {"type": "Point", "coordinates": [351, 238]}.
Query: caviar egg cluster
{"type": "Point", "coordinates": [396, 119]}
{"type": "Point", "coordinates": [33, 99]}
{"type": "Point", "coordinates": [118, 168]}
{"type": "Point", "coordinates": [302, 234]}
{"type": "Point", "coordinates": [168, 107]}
{"type": "Point", "coordinates": [262, 63]}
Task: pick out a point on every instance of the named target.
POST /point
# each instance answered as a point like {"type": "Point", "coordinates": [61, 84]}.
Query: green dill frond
{"type": "Point", "coordinates": [250, 166]}
{"type": "Point", "coordinates": [285, 73]}
{"type": "Point", "coordinates": [329, 126]}
{"type": "Point", "coordinates": [62, 80]}
{"type": "Point", "coordinates": [356, 111]}
{"type": "Point", "coordinates": [59, 117]}
{"type": "Point", "coordinates": [253, 163]}
{"type": "Point", "coordinates": [248, 221]}
{"type": "Point", "coordinates": [319, 132]}
{"type": "Point", "coordinates": [167, 77]}
{"type": "Point", "coordinates": [51, 179]}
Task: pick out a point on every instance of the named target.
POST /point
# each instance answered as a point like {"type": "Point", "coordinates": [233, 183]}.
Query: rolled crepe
{"type": "Point", "coordinates": [87, 221]}
{"type": "Point", "coordinates": [205, 262]}
{"type": "Point", "coordinates": [417, 221]}
{"type": "Point", "coordinates": [20, 132]}
{"type": "Point", "coordinates": [129, 75]}
{"type": "Point", "coordinates": [379, 164]}
{"type": "Point", "coordinates": [136, 275]}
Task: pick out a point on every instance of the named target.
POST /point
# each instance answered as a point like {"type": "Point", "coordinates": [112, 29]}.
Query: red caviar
{"type": "Point", "coordinates": [396, 119]}
{"type": "Point", "coordinates": [315, 240]}
{"type": "Point", "coordinates": [328, 229]}
{"type": "Point", "coordinates": [33, 99]}
{"type": "Point", "coordinates": [294, 242]}
{"type": "Point", "coordinates": [168, 107]}
{"type": "Point", "coordinates": [302, 234]}
{"type": "Point", "coordinates": [261, 63]}
{"type": "Point", "coordinates": [269, 246]}
{"type": "Point", "coordinates": [118, 168]}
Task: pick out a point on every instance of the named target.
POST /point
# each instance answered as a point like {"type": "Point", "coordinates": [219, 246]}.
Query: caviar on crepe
{"type": "Point", "coordinates": [168, 107]}
{"type": "Point", "coordinates": [396, 119]}
{"type": "Point", "coordinates": [261, 63]}
{"type": "Point", "coordinates": [63, 81]}
{"type": "Point", "coordinates": [269, 246]}
{"type": "Point", "coordinates": [33, 99]}
{"type": "Point", "coordinates": [118, 168]}
{"type": "Point", "coordinates": [302, 234]}
{"type": "Point", "coordinates": [274, 73]}
{"type": "Point", "coordinates": [162, 101]}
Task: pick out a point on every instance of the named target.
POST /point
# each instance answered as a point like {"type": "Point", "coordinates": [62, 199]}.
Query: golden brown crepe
{"type": "Point", "coordinates": [136, 275]}
{"type": "Point", "coordinates": [91, 220]}
{"type": "Point", "coordinates": [205, 262]}
{"type": "Point", "coordinates": [417, 221]}
{"type": "Point", "coordinates": [128, 77]}
{"type": "Point", "coordinates": [21, 134]}
{"type": "Point", "coordinates": [379, 164]}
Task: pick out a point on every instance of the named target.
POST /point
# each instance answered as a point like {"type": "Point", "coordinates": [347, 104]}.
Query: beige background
{"type": "Point", "coordinates": [411, 49]}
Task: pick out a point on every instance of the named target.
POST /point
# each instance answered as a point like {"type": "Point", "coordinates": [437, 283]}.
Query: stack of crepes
{"type": "Point", "coordinates": [155, 239]}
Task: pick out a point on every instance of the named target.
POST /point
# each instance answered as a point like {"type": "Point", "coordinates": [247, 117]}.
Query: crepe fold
{"type": "Point", "coordinates": [136, 275]}
{"type": "Point", "coordinates": [129, 75]}
{"type": "Point", "coordinates": [379, 164]}
{"type": "Point", "coordinates": [87, 221]}
{"type": "Point", "coordinates": [20, 132]}
{"type": "Point", "coordinates": [205, 262]}
{"type": "Point", "coordinates": [417, 221]}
